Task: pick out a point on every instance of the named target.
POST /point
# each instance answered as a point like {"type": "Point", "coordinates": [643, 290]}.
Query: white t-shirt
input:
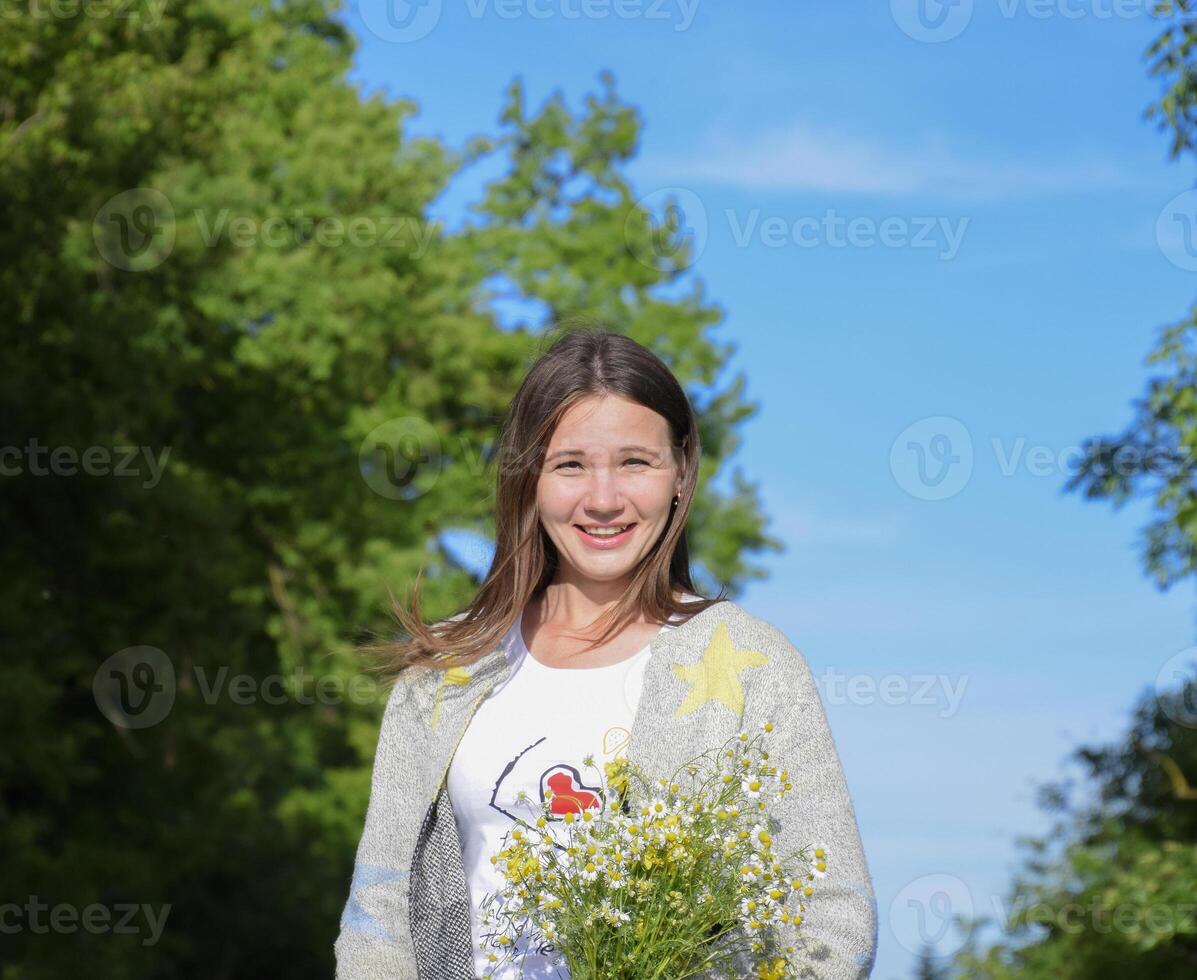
{"type": "Point", "coordinates": [531, 733]}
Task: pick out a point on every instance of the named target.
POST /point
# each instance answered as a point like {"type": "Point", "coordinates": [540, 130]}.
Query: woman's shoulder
{"type": "Point", "coordinates": [419, 677]}
{"type": "Point", "coordinates": [751, 631]}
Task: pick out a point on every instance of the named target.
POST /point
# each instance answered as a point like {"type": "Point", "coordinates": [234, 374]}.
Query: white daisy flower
{"type": "Point", "coordinates": [615, 877]}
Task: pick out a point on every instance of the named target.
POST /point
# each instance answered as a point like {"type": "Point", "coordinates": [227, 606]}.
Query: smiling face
{"type": "Point", "coordinates": [609, 462]}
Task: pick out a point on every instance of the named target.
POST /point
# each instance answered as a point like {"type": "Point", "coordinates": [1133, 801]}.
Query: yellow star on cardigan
{"type": "Point", "coordinates": [716, 677]}
{"type": "Point", "coordinates": [454, 675]}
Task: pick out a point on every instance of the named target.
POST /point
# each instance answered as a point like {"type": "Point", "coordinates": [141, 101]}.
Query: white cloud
{"type": "Point", "coordinates": [804, 157]}
{"type": "Point", "coordinates": [806, 527]}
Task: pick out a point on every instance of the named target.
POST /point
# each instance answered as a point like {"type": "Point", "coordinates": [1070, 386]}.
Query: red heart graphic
{"type": "Point", "coordinates": [569, 795]}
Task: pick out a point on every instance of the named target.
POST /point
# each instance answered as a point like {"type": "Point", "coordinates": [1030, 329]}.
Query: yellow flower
{"type": "Point", "coordinates": [771, 971]}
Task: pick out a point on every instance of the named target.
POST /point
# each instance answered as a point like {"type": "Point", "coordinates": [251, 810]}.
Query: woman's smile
{"type": "Point", "coordinates": [605, 539]}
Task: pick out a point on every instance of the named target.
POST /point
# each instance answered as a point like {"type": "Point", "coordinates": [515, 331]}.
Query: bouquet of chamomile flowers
{"type": "Point", "coordinates": [665, 878]}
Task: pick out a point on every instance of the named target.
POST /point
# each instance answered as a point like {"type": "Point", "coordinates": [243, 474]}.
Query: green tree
{"type": "Point", "coordinates": [1111, 891]}
{"type": "Point", "coordinates": [217, 249]}
{"type": "Point", "coordinates": [927, 966]}
{"type": "Point", "coordinates": [1156, 454]}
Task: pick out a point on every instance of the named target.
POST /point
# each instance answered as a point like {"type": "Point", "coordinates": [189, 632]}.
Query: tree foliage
{"type": "Point", "coordinates": [1156, 454]}
{"type": "Point", "coordinates": [217, 252]}
{"type": "Point", "coordinates": [1111, 891]}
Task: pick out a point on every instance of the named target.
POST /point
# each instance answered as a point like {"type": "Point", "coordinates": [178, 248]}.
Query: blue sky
{"type": "Point", "coordinates": [1016, 618]}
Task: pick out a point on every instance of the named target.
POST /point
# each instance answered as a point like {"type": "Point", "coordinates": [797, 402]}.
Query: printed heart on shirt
{"type": "Point", "coordinates": [570, 795]}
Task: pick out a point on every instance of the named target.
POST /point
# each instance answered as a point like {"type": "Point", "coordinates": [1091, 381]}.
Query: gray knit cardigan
{"type": "Point", "coordinates": [407, 916]}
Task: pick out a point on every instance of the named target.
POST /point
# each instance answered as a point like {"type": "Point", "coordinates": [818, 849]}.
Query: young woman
{"type": "Point", "coordinates": [586, 638]}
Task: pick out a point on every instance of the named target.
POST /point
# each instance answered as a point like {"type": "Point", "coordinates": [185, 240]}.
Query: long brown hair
{"type": "Point", "coordinates": [584, 360]}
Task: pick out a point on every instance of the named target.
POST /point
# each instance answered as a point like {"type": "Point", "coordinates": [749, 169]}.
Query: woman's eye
{"type": "Point", "coordinates": [574, 462]}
